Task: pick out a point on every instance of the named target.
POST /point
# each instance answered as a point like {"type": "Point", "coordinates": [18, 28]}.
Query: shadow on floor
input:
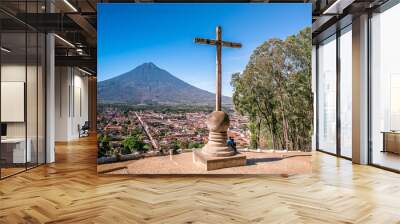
{"type": "Point", "coordinates": [254, 161]}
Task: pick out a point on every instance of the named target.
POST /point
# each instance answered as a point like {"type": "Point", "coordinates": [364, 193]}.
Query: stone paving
{"type": "Point", "coordinates": [257, 163]}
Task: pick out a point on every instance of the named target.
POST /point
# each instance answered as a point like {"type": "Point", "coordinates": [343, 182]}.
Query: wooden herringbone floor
{"type": "Point", "coordinates": [70, 191]}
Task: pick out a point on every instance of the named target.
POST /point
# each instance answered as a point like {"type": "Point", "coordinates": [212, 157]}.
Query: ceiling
{"type": "Point", "coordinates": [332, 15]}
{"type": "Point", "coordinates": [75, 22]}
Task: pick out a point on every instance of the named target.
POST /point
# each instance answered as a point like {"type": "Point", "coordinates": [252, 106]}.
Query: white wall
{"type": "Point", "coordinates": [17, 73]}
{"type": "Point", "coordinates": [62, 82]}
{"type": "Point", "coordinates": [33, 126]}
{"type": "Point", "coordinates": [80, 111]}
{"type": "Point", "coordinates": [9, 73]}
{"type": "Point", "coordinates": [71, 103]}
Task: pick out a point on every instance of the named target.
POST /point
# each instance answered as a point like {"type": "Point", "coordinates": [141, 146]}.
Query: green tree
{"type": "Point", "coordinates": [174, 146]}
{"type": "Point", "coordinates": [104, 147]}
{"type": "Point", "coordinates": [195, 145]}
{"type": "Point", "coordinates": [146, 147]}
{"type": "Point", "coordinates": [133, 143]}
{"type": "Point", "coordinates": [274, 91]}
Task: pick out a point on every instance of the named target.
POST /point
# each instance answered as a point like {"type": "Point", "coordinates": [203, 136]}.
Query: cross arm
{"type": "Point", "coordinates": [205, 41]}
{"type": "Point", "coordinates": [231, 44]}
{"type": "Point", "coordinates": [215, 42]}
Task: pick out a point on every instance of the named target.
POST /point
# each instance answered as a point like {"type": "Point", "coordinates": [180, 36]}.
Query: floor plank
{"type": "Point", "coordinates": [70, 191]}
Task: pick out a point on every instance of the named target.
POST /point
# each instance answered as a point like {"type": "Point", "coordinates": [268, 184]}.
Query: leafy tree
{"type": "Point", "coordinates": [174, 146]}
{"type": "Point", "coordinates": [133, 143]}
{"type": "Point", "coordinates": [104, 147]}
{"type": "Point", "coordinates": [195, 145]}
{"type": "Point", "coordinates": [146, 147]}
{"type": "Point", "coordinates": [254, 138]}
{"type": "Point", "coordinates": [274, 91]}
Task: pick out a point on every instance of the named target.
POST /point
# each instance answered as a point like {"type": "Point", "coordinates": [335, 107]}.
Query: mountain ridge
{"type": "Point", "coordinates": [150, 84]}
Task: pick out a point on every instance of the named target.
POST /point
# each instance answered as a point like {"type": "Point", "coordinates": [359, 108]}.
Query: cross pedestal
{"type": "Point", "coordinates": [216, 154]}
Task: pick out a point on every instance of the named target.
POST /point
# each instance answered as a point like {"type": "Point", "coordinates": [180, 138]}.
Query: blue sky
{"type": "Point", "coordinates": [132, 34]}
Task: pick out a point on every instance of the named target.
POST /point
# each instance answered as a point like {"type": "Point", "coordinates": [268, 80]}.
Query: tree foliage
{"type": "Point", "coordinates": [274, 91]}
{"type": "Point", "coordinates": [103, 146]}
{"type": "Point", "coordinates": [174, 146]}
{"type": "Point", "coordinates": [133, 143]}
{"type": "Point", "coordinates": [195, 145]}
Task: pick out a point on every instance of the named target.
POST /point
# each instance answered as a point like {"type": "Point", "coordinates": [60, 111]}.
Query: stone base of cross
{"type": "Point", "coordinates": [216, 154]}
{"type": "Point", "coordinates": [218, 124]}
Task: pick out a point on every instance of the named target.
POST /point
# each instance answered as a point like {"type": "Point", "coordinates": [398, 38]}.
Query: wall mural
{"type": "Point", "coordinates": [204, 89]}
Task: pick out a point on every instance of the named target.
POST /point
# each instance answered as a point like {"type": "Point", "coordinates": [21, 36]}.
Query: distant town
{"type": "Point", "coordinates": [134, 132]}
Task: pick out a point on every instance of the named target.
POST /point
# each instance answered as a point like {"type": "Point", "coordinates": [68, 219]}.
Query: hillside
{"type": "Point", "coordinates": [149, 84]}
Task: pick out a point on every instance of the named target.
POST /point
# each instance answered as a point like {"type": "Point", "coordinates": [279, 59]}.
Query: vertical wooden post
{"type": "Point", "coordinates": [218, 70]}
{"type": "Point", "coordinates": [219, 44]}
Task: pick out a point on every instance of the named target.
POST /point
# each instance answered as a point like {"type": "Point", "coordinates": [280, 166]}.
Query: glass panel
{"type": "Point", "coordinates": [41, 99]}
{"type": "Point", "coordinates": [13, 89]}
{"type": "Point", "coordinates": [23, 90]}
{"type": "Point", "coordinates": [346, 92]}
{"type": "Point", "coordinates": [327, 95]}
{"type": "Point", "coordinates": [31, 100]}
{"type": "Point", "coordinates": [385, 92]}
{"type": "Point", "coordinates": [32, 89]}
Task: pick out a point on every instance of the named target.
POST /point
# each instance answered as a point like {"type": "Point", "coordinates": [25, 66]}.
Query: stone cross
{"type": "Point", "coordinates": [219, 43]}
